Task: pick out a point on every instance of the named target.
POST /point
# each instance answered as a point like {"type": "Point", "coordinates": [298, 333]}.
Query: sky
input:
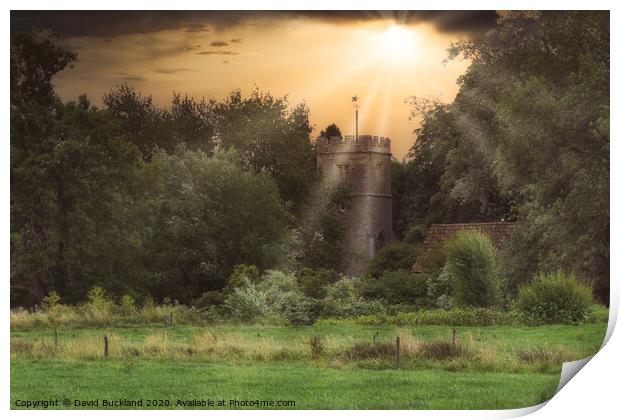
{"type": "Point", "coordinates": [322, 58]}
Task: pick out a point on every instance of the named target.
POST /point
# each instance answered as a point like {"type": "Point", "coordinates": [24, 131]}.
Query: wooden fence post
{"type": "Point", "coordinates": [55, 338]}
{"type": "Point", "coordinates": [105, 346]}
{"type": "Point", "coordinates": [170, 319]}
{"type": "Point", "coordinates": [454, 337]}
{"type": "Point", "coordinates": [315, 346]}
{"type": "Point", "coordinates": [397, 351]}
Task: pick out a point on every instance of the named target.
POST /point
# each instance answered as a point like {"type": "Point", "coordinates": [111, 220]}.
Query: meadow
{"type": "Point", "coordinates": [326, 365]}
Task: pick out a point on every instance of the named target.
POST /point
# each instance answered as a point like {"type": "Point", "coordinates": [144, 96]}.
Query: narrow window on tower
{"type": "Point", "coordinates": [344, 169]}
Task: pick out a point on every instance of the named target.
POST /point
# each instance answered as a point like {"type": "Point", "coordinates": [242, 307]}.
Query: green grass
{"type": "Point", "coordinates": [309, 386]}
{"type": "Point", "coordinates": [500, 367]}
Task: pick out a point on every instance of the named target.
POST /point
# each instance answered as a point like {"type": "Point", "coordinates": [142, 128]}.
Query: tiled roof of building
{"type": "Point", "coordinates": [498, 233]}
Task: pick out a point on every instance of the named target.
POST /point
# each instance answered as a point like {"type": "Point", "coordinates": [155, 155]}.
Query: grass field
{"type": "Point", "coordinates": [352, 367]}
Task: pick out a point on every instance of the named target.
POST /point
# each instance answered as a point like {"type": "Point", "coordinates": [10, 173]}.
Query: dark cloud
{"type": "Point", "coordinates": [130, 77]}
{"type": "Point", "coordinates": [196, 27]}
{"type": "Point", "coordinates": [188, 48]}
{"type": "Point", "coordinates": [218, 44]}
{"type": "Point", "coordinates": [171, 71]}
{"type": "Point", "coordinates": [218, 52]}
{"type": "Point", "coordinates": [108, 24]}
{"type": "Point", "coordinates": [236, 40]}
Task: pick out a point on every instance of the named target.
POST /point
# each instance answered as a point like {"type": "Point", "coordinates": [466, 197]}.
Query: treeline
{"type": "Point", "coordinates": [526, 140]}
{"type": "Point", "coordinates": [152, 201]}
{"type": "Point", "coordinates": [156, 202]}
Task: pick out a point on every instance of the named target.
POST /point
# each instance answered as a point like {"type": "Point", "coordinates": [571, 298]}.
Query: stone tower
{"type": "Point", "coordinates": [362, 164]}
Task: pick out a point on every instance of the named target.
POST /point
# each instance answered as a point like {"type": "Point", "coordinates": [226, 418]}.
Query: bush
{"type": "Point", "coordinates": [242, 275]}
{"type": "Point", "coordinates": [343, 301]}
{"type": "Point", "coordinates": [51, 301]}
{"type": "Point", "coordinates": [555, 298]}
{"type": "Point", "coordinates": [209, 300]}
{"type": "Point", "coordinates": [439, 290]}
{"type": "Point", "coordinates": [99, 301]}
{"type": "Point", "coordinates": [284, 299]}
{"type": "Point", "coordinates": [313, 283]}
{"type": "Point", "coordinates": [128, 305]}
{"type": "Point", "coordinates": [394, 287]}
{"type": "Point", "coordinates": [246, 304]}
{"type": "Point", "coordinates": [392, 257]}
{"type": "Point", "coordinates": [471, 267]}
{"type": "Point", "coordinates": [301, 310]}
{"type": "Point", "coordinates": [454, 317]}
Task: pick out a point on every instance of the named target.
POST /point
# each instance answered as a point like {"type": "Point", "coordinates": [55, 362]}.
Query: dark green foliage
{"type": "Point", "coordinates": [429, 187]}
{"type": "Point", "coordinates": [210, 299]}
{"type": "Point", "coordinates": [242, 275]}
{"type": "Point", "coordinates": [344, 301]}
{"type": "Point", "coordinates": [535, 102]}
{"type": "Point", "coordinates": [331, 130]}
{"type": "Point", "coordinates": [453, 317]}
{"type": "Point", "coordinates": [69, 168]}
{"type": "Point", "coordinates": [471, 266]}
{"type": "Point", "coordinates": [393, 256]}
{"type": "Point", "coordinates": [555, 298]}
{"type": "Point", "coordinates": [313, 283]}
{"type": "Point", "coordinates": [321, 231]}
{"type": "Point", "coordinates": [302, 310]}
{"type": "Point", "coordinates": [211, 215]}
{"type": "Point", "coordinates": [394, 287]}
{"type": "Point", "coordinates": [270, 138]}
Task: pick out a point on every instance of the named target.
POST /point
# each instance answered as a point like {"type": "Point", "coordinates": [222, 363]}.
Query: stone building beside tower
{"type": "Point", "coordinates": [363, 164]}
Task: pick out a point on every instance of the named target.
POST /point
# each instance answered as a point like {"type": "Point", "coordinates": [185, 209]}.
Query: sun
{"type": "Point", "coordinates": [397, 43]}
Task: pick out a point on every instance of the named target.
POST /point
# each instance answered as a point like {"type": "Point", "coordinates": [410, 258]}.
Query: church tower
{"type": "Point", "coordinates": [362, 164]}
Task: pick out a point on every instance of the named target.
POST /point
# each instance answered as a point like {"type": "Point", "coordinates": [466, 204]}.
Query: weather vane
{"type": "Point", "coordinates": [355, 99]}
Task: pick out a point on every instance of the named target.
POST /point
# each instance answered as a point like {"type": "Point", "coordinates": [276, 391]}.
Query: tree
{"type": "Point", "coordinates": [472, 270]}
{"type": "Point", "coordinates": [321, 230]}
{"type": "Point", "coordinates": [535, 103]}
{"type": "Point", "coordinates": [331, 130]}
{"type": "Point", "coordinates": [68, 163]}
{"type": "Point", "coordinates": [207, 215]}
{"type": "Point", "coordinates": [446, 180]}
{"type": "Point", "coordinates": [270, 138]}
{"type": "Point", "coordinates": [142, 122]}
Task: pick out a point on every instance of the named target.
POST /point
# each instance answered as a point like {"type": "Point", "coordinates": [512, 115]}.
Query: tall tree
{"type": "Point", "coordinates": [270, 138]}
{"type": "Point", "coordinates": [331, 130]}
{"type": "Point", "coordinates": [535, 103]}
{"type": "Point", "coordinates": [67, 164]}
{"type": "Point", "coordinates": [204, 215]}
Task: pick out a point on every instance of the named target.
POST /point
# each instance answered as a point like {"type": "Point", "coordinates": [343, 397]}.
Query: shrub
{"type": "Point", "coordinates": [284, 299]}
{"type": "Point", "coordinates": [301, 310]}
{"type": "Point", "coordinates": [392, 257]}
{"type": "Point", "coordinates": [454, 317]}
{"type": "Point", "coordinates": [210, 299]}
{"type": "Point", "coordinates": [555, 298]}
{"type": "Point", "coordinates": [242, 275]}
{"type": "Point", "coordinates": [51, 301]}
{"type": "Point", "coordinates": [439, 290]}
{"type": "Point", "coordinates": [246, 304]}
{"type": "Point", "coordinates": [98, 300]}
{"type": "Point", "coordinates": [443, 349]}
{"type": "Point", "coordinates": [128, 305]}
{"type": "Point", "coordinates": [313, 283]}
{"type": "Point", "coordinates": [471, 266]}
{"type": "Point", "coordinates": [343, 301]}
{"type": "Point", "coordinates": [394, 287]}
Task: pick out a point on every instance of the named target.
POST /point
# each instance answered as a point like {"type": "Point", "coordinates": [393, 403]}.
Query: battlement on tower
{"type": "Point", "coordinates": [364, 143]}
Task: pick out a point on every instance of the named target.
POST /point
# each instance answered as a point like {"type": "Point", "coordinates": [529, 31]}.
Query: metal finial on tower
{"type": "Point", "coordinates": [355, 100]}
